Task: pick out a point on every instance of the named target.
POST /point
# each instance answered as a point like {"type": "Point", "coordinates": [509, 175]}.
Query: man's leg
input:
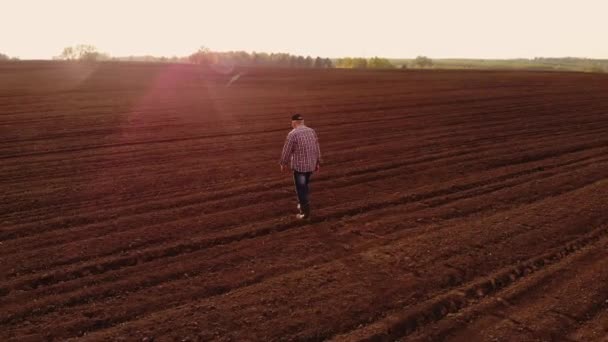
{"type": "Point", "coordinates": [299, 180]}
{"type": "Point", "coordinates": [306, 207]}
{"type": "Point", "coordinates": [301, 184]}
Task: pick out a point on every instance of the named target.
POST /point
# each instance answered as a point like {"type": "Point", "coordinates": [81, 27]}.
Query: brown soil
{"type": "Point", "coordinates": [144, 202]}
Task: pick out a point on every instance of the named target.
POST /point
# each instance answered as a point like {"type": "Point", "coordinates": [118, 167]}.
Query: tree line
{"type": "Point", "coordinates": [364, 63]}
{"type": "Point", "coordinates": [4, 57]}
{"type": "Point", "coordinates": [205, 56]}
{"type": "Point", "coordinates": [382, 63]}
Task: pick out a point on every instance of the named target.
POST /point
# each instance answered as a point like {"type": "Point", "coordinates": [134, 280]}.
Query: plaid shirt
{"type": "Point", "coordinates": [301, 150]}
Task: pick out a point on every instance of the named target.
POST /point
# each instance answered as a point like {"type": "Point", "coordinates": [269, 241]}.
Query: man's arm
{"type": "Point", "coordinates": [287, 151]}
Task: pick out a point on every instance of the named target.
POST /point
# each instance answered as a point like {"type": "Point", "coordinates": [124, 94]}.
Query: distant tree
{"type": "Point", "coordinates": [379, 63]}
{"type": "Point", "coordinates": [341, 63]}
{"type": "Point", "coordinates": [354, 63]}
{"type": "Point", "coordinates": [284, 59]}
{"type": "Point", "coordinates": [83, 52]}
{"type": "Point", "coordinates": [260, 58]}
{"type": "Point", "coordinates": [4, 57]}
{"type": "Point", "coordinates": [300, 62]}
{"type": "Point", "coordinates": [359, 63]}
{"type": "Point", "coordinates": [423, 62]}
{"type": "Point", "coordinates": [202, 56]}
{"type": "Point", "coordinates": [345, 62]}
{"type": "Point", "coordinates": [240, 58]}
{"type": "Point", "coordinates": [68, 54]}
{"type": "Point", "coordinates": [293, 61]}
{"type": "Point", "coordinates": [309, 63]}
{"type": "Point", "coordinates": [318, 63]}
{"type": "Point", "coordinates": [322, 63]}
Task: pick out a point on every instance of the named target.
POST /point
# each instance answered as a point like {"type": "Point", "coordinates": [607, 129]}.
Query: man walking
{"type": "Point", "coordinates": [302, 152]}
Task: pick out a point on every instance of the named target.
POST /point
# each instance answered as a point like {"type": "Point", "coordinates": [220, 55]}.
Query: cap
{"type": "Point", "coordinates": [296, 117]}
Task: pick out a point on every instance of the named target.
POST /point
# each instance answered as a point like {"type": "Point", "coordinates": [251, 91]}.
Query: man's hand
{"type": "Point", "coordinates": [283, 168]}
{"type": "Point", "coordinates": [318, 168]}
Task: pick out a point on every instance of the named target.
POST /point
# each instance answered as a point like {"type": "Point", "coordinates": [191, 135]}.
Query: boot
{"type": "Point", "coordinates": [304, 212]}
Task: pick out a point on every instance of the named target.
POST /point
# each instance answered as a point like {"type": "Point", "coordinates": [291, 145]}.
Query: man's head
{"type": "Point", "coordinates": [296, 120]}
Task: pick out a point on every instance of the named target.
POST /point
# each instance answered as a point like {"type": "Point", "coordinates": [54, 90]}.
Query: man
{"type": "Point", "coordinates": [301, 151]}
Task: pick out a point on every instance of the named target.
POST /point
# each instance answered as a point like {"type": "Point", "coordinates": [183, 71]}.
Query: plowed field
{"type": "Point", "coordinates": [145, 202]}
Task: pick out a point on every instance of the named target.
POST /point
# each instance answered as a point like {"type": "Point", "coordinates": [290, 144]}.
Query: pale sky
{"type": "Point", "coordinates": [328, 28]}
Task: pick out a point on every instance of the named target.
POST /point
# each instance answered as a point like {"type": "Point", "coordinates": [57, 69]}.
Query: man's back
{"type": "Point", "coordinates": [302, 149]}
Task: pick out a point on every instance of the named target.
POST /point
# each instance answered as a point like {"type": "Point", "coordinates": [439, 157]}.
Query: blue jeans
{"type": "Point", "coordinates": [301, 180]}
